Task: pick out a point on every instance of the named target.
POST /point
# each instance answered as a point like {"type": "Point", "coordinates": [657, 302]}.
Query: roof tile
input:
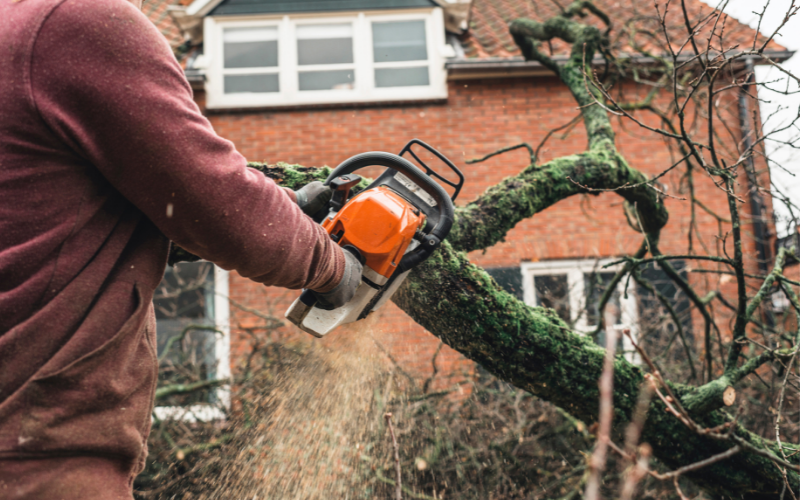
{"type": "Point", "coordinates": [156, 11]}
{"type": "Point", "coordinates": [488, 35]}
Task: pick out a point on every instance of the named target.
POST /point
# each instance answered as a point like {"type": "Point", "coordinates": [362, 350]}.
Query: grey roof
{"type": "Point", "coordinates": [231, 7]}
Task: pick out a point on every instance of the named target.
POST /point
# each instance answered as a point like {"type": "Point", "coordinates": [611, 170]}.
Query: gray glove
{"type": "Point", "coordinates": [346, 288]}
{"type": "Point", "coordinates": [312, 197]}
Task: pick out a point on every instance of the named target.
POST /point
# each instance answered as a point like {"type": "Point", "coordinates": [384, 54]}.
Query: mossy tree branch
{"type": "Point", "coordinates": [586, 41]}
{"type": "Point", "coordinates": [535, 350]}
{"type": "Point", "coordinates": [485, 221]}
{"type": "Point", "coordinates": [739, 328]}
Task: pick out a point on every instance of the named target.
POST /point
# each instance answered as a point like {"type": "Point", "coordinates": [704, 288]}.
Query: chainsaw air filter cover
{"type": "Point", "coordinates": [380, 224]}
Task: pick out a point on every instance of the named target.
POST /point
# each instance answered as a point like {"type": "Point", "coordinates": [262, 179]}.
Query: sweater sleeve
{"type": "Point", "coordinates": [106, 82]}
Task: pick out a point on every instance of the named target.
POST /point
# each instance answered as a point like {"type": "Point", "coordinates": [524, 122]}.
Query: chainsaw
{"type": "Point", "coordinates": [391, 226]}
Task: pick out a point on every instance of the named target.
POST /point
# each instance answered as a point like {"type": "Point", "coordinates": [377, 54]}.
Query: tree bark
{"type": "Point", "coordinates": [535, 350]}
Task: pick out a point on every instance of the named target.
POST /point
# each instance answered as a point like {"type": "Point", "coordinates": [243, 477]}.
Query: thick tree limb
{"type": "Point", "coordinates": [585, 40]}
{"type": "Point", "coordinates": [535, 350]}
{"type": "Point", "coordinates": [485, 221]}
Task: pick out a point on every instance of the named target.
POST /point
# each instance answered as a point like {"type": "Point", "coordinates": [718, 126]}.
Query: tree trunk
{"type": "Point", "coordinates": [532, 348]}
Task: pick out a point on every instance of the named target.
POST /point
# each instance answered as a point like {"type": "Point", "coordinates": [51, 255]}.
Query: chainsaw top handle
{"type": "Point", "coordinates": [444, 205]}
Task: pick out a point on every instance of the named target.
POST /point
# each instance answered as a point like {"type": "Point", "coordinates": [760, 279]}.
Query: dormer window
{"type": "Point", "coordinates": [261, 61]}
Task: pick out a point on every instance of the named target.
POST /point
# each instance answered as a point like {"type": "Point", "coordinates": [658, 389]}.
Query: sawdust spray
{"type": "Point", "coordinates": [310, 437]}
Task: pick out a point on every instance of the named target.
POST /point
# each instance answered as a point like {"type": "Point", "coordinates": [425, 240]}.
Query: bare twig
{"type": "Point", "coordinates": [273, 321]}
{"type": "Point", "coordinates": [525, 145]}
{"type": "Point", "coordinates": [698, 465]}
{"type": "Point", "coordinates": [179, 338]}
{"type": "Point", "coordinates": [636, 473]}
{"type": "Point", "coordinates": [426, 385]}
{"type": "Point", "coordinates": [675, 408]}
{"type": "Point", "coordinates": [398, 487]}
{"type": "Point", "coordinates": [634, 430]}
{"type": "Point", "coordinates": [172, 389]}
{"type": "Point", "coordinates": [675, 319]}
{"type": "Point", "coordinates": [597, 462]}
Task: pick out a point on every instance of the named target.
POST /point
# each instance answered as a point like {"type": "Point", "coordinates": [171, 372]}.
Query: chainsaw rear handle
{"type": "Point", "coordinates": [444, 204]}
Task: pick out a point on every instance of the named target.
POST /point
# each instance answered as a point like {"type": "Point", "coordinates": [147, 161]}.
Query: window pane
{"type": "Point", "coordinates": [401, 77]}
{"type": "Point", "coordinates": [653, 317]}
{"type": "Point", "coordinates": [595, 285]}
{"type": "Point", "coordinates": [326, 80]}
{"type": "Point", "coordinates": [250, 47]}
{"type": "Point", "coordinates": [325, 44]}
{"type": "Point", "coordinates": [183, 299]}
{"type": "Point", "coordinates": [553, 291]}
{"type": "Point", "coordinates": [509, 279]}
{"type": "Point", "coordinates": [399, 41]}
{"type": "Point", "coordinates": [251, 83]}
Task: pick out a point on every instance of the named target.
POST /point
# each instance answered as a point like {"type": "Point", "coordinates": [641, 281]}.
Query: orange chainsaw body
{"type": "Point", "coordinates": [392, 226]}
{"type": "Point", "coordinates": [380, 224]}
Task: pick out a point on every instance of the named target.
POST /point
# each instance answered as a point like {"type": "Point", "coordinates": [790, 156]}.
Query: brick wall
{"type": "Point", "coordinates": [479, 117]}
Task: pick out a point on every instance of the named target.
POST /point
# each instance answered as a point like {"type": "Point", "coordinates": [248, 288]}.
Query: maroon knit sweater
{"type": "Point", "coordinates": [104, 157]}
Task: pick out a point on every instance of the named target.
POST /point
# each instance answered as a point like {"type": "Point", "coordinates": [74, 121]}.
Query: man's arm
{"type": "Point", "coordinates": [105, 81]}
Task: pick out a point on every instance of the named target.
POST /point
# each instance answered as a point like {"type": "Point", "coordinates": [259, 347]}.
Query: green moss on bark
{"type": "Point", "coordinates": [292, 176]}
{"type": "Point", "coordinates": [535, 350]}
{"type": "Point", "coordinates": [485, 221]}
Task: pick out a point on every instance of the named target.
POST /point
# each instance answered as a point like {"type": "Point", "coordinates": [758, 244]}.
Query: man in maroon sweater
{"type": "Point", "coordinates": [104, 158]}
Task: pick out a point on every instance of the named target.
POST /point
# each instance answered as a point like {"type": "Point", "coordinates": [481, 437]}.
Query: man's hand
{"type": "Point", "coordinates": [346, 288]}
{"type": "Point", "coordinates": [312, 197]}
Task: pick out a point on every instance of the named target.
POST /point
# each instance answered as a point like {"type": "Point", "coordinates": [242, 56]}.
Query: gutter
{"type": "Point", "coordinates": [760, 231]}
{"type": "Point", "coordinates": [461, 68]}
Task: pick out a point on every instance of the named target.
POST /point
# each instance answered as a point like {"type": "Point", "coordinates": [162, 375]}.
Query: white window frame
{"type": "Point", "coordinates": [364, 89]}
{"type": "Point", "coordinates": [575, 270]}
{"type": "Point", "coordinates": [222, 350]}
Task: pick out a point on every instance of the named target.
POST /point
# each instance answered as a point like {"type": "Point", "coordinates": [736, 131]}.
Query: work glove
{"type": "Point", "coordinates": [346, 288]}
{"type": "Point", "coordinates": [312, 197]}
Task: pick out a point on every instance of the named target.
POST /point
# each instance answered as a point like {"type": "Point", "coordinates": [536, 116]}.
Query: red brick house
{"type": "Point", "coordinates": [316, 81]}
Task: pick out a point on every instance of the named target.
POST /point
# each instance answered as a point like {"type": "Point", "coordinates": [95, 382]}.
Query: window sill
{"type": "Point", "coordinates": [385, 103]}
{"type": "Point", "coordinates": [190, 414]}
